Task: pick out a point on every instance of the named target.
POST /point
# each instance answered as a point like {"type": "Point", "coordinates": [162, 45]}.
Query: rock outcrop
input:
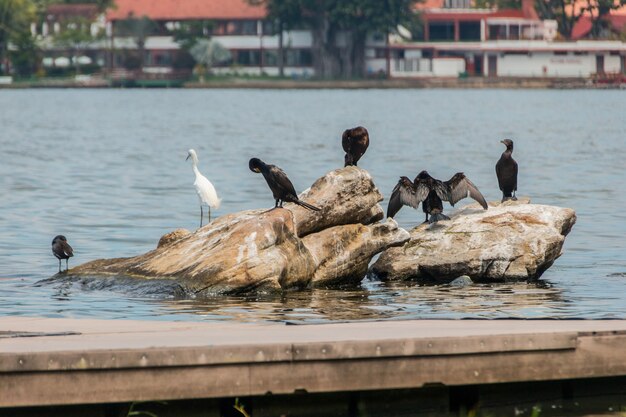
{"type": "Point", "coordinates": [511, 241]}
{"type": "Point", "coordinates": [272, 250]}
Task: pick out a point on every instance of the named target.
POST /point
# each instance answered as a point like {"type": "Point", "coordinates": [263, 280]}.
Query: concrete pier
{"type": "Point", "coordinates": [63, 361]}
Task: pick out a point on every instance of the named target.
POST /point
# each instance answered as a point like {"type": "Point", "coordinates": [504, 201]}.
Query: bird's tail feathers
{"type": "Point", "coordinates": [217, 203]}
{"type": "Point", "coordinates": [437, 217]}
{"type": "Point", "coordinates": [306, 205]}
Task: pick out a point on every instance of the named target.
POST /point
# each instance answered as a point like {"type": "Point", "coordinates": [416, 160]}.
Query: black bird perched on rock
{"type": "Point", "coordinates": [62, 250]}
{"type": "Point", "coordinates": [355, 142]}
{"type": "Point", "coordinates": [506, 171]}
{"type": "Point", "coordinates": [279, 183]}
{"type": "Point", "coordinates": [430, 192]}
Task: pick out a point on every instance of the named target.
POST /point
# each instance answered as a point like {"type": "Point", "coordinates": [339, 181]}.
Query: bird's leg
{"type": "Point", "coordinates": [59, 265]}
{"type": "Point", "coordinates": [276, 205]}
{"type": "Point", "coordinates": [426, 221]}
{"type": "Point", "coordinates": [66, 264]}
{"type": "Point", "coordinates": [201, 214]}
{"type": "Point", "coordinates": [514, 198]}
{"type": "Point", "coordinates": [209, 214]}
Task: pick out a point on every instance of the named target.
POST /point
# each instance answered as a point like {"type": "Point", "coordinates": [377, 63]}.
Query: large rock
{"type": "Point", "coordinates": [510, 241]}
{"type": "Point", "coordinates": [347, 196]}
{"type": "Point", "coordinates": [261, 250]}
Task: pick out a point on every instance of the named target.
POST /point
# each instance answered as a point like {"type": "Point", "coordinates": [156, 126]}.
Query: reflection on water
{"type": "Point", "coordinates": [107, 169]}
{"type": "Point", "coordinates": [373, 300]}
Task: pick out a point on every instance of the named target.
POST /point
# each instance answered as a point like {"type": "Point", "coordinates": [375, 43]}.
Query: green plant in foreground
{"type": "Point", "coordinates": [239, 407]}
{"type": "Point", "coordinates": [536, 411]}
{"type": "Point", "coordinates": [132, 412]}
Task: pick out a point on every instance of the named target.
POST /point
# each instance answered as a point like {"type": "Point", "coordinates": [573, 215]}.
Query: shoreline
{"type": "Point", "coordinates": [285, 84]}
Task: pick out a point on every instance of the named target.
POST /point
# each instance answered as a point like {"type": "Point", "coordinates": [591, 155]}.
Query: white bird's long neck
{"type": "Point", "coordinates": [194, 166]}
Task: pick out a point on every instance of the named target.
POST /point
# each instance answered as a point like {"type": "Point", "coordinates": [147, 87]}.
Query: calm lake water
{"type": "Point", "coordinates": [107, 169]}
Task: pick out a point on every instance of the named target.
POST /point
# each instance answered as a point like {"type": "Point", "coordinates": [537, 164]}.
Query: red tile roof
{"type": "Point", "coordinates": [186, 9]}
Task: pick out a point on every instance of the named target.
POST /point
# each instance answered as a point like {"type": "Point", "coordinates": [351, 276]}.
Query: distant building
{"type": "Point", "coordinates": [59, 18]}
{"type": "Point", "coordinates": [490, 43]}
{"type": "Point", "coordinates": [237, 25]}
{"type": "Point", "coordinates": [458, 40]}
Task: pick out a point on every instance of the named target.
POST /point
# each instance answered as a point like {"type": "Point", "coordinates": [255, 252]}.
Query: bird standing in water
{"type": "Point", "coordinates": [282, 188]}
{"type": "Point", "coordinates": [506, 171]}
{"type": "Point", "coordinates": [62, 250]}
{"type": "Point", "coordinates": [431, 192]}
{"type": "Point", "coordinates": [355, 142]}
{"type": "Point", "coordinates": [204, 188]}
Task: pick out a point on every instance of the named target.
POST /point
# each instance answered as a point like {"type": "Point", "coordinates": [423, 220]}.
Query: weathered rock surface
{"type": "Point", "coordinates": [261, 250]}
{"type": "Point", "coordinates": [347, 196]}
{"type": "Point", "coordinates": [510, 241]}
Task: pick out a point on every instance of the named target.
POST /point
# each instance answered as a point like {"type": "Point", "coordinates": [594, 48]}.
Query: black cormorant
{"type": "Point", "coordinates": [281, 187]}
{"type": "Point", "coordinates": [355, 142]}
{"type": "Point", "coordinates": [430, 192]}
{"type": "Point", "coordinates": [62, 250]}
{"type": "Point", "coordinates": [506, 171]}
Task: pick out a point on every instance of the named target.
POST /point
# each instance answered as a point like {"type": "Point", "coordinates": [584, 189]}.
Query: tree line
{"type": "Point", "coordinates": [16, 16]}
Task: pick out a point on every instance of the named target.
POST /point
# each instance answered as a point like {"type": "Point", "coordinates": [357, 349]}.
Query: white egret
{"type": "Point", "coordinates": [204, 188]}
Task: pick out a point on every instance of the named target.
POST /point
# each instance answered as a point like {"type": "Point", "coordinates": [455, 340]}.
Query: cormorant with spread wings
{"type": "Point", "coordinates": [282, 188]}
{"type": "Point", "coordinates": [431, 192]}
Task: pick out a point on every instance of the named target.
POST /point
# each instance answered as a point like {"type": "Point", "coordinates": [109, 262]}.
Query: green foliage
{"type": "Point", "coordinates": [15, 19]}
{"type": "Point", "coordinates": [133, 412]}
{"type": "Point", "coordinates": [25, 56]}
{"type": "Point", "coordinates": [240, 407]}
{"type": "Point", "coordinates": [499, 4]}
{"type": "Point", "coordinates": [76, 34]}
{"type": "Point", "coordinates": [189, 32]}
{"type": "Point", "coordinates": [327, 18]}
{"type": "Point", "coordinates": [207, 53]}
{"type": "Point", "coordinates": [139, 28]}
{"type": "Point", "coordinates": [102, 4]}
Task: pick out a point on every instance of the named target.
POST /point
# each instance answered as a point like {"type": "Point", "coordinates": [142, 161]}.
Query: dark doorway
{"type": "Point", "coordinates": [478, 65]}
{"type": "Point", "coordinates": [493, 65]}
{"type": "Point", "coordinates": [599, 64]}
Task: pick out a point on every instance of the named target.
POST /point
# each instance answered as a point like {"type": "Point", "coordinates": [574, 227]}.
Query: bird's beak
{"type": "Point", "coordinates": [187, 157]}
{"type": "Point", "coordinates": [501, 141]}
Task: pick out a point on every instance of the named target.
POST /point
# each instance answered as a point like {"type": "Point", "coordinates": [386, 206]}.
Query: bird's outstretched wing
{"type": "Point", "coordinates": [441, 189]}
{"type": "Point", "coordinates": [405, 193]}
{"type": "Point", "coordinates": [281, 180]}
{"type": "Point", "coordinates": [460, 186]}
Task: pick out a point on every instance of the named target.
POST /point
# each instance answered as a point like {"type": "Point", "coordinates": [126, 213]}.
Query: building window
{"type": "Point", "coordinates": [380, 53]}
{"type": "Point", "coordinates": [298, 58]}
{"type": "Point", "coordinates": [247, 57]}
{"type": "Point", "coordinates": [469, 31]}
{"type": "Point", "coordinates": [497, 32]}
{"type": "Point", "coordinates": [270, 58]}
{"type": "Point", "coordinates": [441, 31]}
{"type": "Point", "coordinates": [456, 4]}
{"type": "Point", "coordinates": [236, 27]}
{"type": "Point", "coordinates": [270, 27]}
